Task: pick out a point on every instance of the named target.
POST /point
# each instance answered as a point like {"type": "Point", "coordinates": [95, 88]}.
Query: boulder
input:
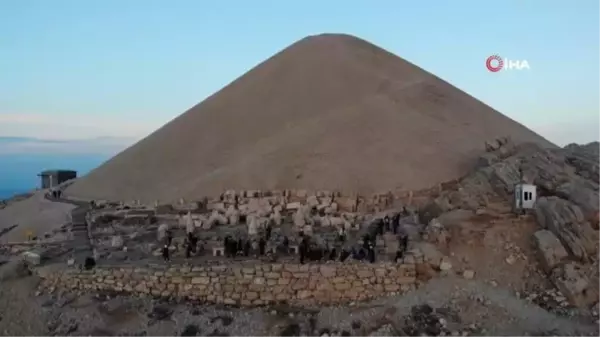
{"type": "Point", "coordinates": [582, 193]}
{"type": "Point", "coordinates": [323, 221]}
{"type": "Point", "coordinates": [337, 221]}
{"type": "Point", "coordinates": [33, 258]}
{"type": "Point", "coordinates": [549, 249]}
{"type": "Point", "coordinates": [215, 218]}
{"type": "Point", "coordinates": [199, 221]}
{"type": "Point", "coordinates": [567, 222]}
{"type": "Point", "coordinates": [585, 159]}
{"type": "Point", "coordinates": [293, 206]}
{"type": "Point", "coordinates": [299, 218]}
{"type": "Point", "coordinates": [117, 242]}
{"type": "Point", "coordinates": [312, 201]}
{"type": "Point", "coordinates": [571, 280]}
{"type": "Point", "coordinates": [436, 233]}
{"type": "Point", "coordinates": [430, 253]}
{"type": "Point", "coordinates": [277, 218]}
{"type": "Point", "coordinates": [161, 232]}
{"type": "Point", "coordinates": [445, 264]}
{"type": "Point", "coordinates": [259, 206]}
{"type": "Point", "coordinates": [468, 274]}
{"type": "Point", "coordinates": [233, 215]}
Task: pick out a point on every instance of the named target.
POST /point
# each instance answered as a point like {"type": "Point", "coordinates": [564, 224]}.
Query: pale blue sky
{"type": "Point", "coordinates": [115, 68]}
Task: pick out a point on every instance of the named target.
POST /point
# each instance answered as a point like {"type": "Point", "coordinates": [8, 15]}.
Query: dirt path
{"type": "Point", "coordinates": [36, 214]}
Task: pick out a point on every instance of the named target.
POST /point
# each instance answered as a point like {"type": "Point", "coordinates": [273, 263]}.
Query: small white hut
{"type": "Point", "coordinates": [525, 196]}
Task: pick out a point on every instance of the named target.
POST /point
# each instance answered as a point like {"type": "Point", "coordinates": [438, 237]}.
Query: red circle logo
{"type": "Point", "coordinates": [494, 59]}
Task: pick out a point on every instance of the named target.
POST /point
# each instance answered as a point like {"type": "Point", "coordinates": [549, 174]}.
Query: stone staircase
{"type": "Point", "coordinates": [82, 243]}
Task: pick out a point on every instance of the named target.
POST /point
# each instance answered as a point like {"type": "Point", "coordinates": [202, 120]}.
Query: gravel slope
{"type": "Point", "coordinates": [330, 112]}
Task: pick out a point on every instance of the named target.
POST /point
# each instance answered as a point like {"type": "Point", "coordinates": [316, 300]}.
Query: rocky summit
{"type": "Point", "coordinates": [330, 112]}
{"type": "Point", "coordinates": [452, 260]}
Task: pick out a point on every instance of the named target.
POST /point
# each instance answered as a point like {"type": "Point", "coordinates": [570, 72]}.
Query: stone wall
{"type": "Point", "coordinates": [246, 285]}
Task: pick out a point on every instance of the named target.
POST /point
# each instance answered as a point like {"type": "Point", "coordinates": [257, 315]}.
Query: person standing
{"type": "Point", "coordinates": [165, 253]}
{"type": "Point", "coordinates": [261, 246]}
{"type": "Point", "coordinates": [371, 253]}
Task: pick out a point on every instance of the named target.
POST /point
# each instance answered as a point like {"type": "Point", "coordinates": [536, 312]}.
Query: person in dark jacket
{"type": "Point", "coordinates": [366, 241]}
{"type": "Point", "coordinates": [188, 250]}
{"type": "Point", "coordinates": [165, 253]}
{"type": "Point", "coordinates": [342, 235]}
{"type": "Point", "coordinates": [303, 249]}
{"type": "Point", "coordinates": [403, 245]}
{"type": "Point", "coordinates": [399, 255]}
{"type": "Point", "coordinates": [268, 232]}
{"type": "Point", "coordinates": [261, 246]}
{"type": "Point", "coordinates": [247, 248]}
{"type": "Point", "coordinates": [89, 263]}
{"type": "Point", "coordinates": [344, 254]}
{"type": "Point", "coordinates": [332, 254]}
{"type": "Point", "coordinates": [227, 246]}
{"type": "Point", "coordinates": [387, 223]}
{"type": "Point", "coordinates": [239, 247]}
{"type": "Point", "coordinates": [371, 253]}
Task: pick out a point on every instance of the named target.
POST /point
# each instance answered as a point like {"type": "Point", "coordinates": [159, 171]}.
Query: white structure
{"type": "Point", "coordinates": [525, 195]}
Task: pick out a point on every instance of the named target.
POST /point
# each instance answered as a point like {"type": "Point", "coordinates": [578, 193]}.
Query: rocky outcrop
{"type": "Point", "coordinates": [574, 284]}
{"type": "Point", "coordinates": [549, 249]}
{"type": "Point", "coordinates": [566, 221]}
{"type": "Point", "coordinates": [585, 159]}
{"type": "Point", "coordinates": [566, 208]}
{"type": "Point", "coordinates": [570, 173]}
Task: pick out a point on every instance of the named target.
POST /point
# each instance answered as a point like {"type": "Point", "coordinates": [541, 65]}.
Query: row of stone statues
{"type": "Point", "coordinates": [259, 234]}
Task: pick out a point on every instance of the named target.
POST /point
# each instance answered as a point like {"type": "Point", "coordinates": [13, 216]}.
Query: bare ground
{"type": "Point", "coordinates": [34, 214]}
{"type": "Point", "coordinates": [470, 307]}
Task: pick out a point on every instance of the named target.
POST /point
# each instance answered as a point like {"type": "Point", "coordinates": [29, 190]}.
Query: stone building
{"type": "Point", "coordinates": [52, 178]}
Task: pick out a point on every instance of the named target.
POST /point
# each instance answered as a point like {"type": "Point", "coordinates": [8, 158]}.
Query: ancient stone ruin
{"type": "Point", "coordinates": [301, 247]}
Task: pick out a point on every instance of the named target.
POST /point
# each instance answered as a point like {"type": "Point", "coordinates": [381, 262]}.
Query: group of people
{"type": "Point", "coordinates": [242, 247]}
{"type": "Point", "coordinates": [366, 251]}
{"type": "Point", "coordinates": [56, 194]}
{"type": "Point", "coordinates": [363, 252]}
{"type": "Point", "coordinates": [191, 245]}
{"type": "Point", "coordinates": [311, 253]}
{"type": "Point", "coordinates": [393, 225]}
